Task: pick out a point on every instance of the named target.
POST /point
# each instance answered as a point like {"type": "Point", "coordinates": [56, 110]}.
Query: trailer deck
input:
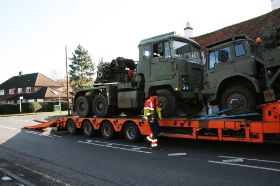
{"type": "Point", "coordinates": [223, 129]}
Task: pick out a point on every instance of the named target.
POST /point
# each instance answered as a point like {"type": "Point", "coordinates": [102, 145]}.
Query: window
{"type": "Point", "coordinates": [12, 91]}
{"type": "Point", "coordinates": [213, 59]}
{"type": "Point", "coordinates": [2, 92]}
{"type": "Point", "coordinates": [217, 56]}
{"type": "Point", "coordinates": [158, 50]}
{"type": "Point", "coordinates": [19, 90]}
{"type": "Point", "coordinates": [28, 89]}
{"type": "Point", "coordinates": [167, 53]}
{"type": "Point", "coordinates": [146, 51]}
{"type": "Point", "coordinates": [185, 51]}
{"type": "Point", "coordinates": [239, 50]}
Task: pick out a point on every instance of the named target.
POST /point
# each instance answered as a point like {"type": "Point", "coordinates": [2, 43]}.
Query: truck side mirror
{"type": "Point", "coordinates": [223, 56]}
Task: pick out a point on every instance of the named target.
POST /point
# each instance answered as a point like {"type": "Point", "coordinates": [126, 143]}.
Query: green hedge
{"type": "Point", "coordinates": [31, 107]}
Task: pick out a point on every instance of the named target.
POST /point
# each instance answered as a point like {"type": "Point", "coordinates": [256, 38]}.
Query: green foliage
{"type": "Point", "coordinates": [81, 69]}
{"type": "Point", "coordinates": [31, 107]}
{"type": "Point", "coordinates": [9, 109]}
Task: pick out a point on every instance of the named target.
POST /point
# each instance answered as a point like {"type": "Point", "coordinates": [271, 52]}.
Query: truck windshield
{"type": "Point", "coordinates": [185, 51]}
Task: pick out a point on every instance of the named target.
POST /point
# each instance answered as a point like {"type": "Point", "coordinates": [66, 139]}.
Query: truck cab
{"type": "Point", "coordinates": [234, 74]}
{"type": "Point", "coordinates": [172, 66]}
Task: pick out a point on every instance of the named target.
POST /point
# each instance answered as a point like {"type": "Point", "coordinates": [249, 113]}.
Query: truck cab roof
{"type": "Point", "coordinates": [167, 36]}
{"type": "Point", "coordinates": [227, 41]}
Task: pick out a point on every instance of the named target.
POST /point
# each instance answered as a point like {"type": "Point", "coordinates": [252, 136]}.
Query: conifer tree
{"type": "Point", "coordinates": [81, 69]}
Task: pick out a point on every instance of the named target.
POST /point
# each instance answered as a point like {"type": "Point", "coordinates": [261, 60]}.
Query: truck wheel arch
{"type": "Point", "coordinates": [250, 83]}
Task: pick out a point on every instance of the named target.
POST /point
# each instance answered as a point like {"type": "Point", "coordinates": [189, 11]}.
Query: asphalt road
{"type": "Point", "coordinates": [78, 160]}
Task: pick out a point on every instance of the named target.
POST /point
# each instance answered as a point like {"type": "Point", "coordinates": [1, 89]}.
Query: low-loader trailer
{"type": "Point", "coordinates": [209, 127]}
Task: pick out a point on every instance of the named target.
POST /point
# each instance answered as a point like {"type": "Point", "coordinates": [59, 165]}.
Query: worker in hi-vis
{"type": "Point", "coordinates": [152, 113]}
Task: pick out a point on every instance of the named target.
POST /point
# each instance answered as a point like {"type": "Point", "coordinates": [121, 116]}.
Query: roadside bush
{"type": "Point", "coordinates": [31, 107]}
{"type": "Point", "coordinates": [9, 109]}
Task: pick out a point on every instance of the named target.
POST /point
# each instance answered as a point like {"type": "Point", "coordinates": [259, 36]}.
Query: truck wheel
{"type": "Point", "coordinates": [100, 106]}
{"type": "Point", "coordinates": [107, 130]}
{"type": "Point", "coordinates": [131, 132]}
{"type": "Point", "coordinates": [239, 99]}
{"type": "Point", "coordinates": [71, 127]}
{"type": "Point", "coordinates": [87, 129]}
{"type": "Point", "coordinates": [167, 103]}
{"type": "Point", "coordinates": [83, 107]}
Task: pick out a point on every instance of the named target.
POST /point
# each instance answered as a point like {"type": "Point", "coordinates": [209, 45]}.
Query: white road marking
{"type": "Point", "coordinates": [10, 128]}
{"type": "Point", "coordinates": [250, 159]}
{"type": "Point", "coordinates": [248, 166]}
{"type": "Point", "coordinates": [177, 154]}
{"type": "Point", "coordinates": [234, 160]}
{"type": "Point", "coordinates": [110, 146]}
{"type": "Point", "coordinates": [119, 144]}
{"type": "Point", "coordinates": [43, 134]}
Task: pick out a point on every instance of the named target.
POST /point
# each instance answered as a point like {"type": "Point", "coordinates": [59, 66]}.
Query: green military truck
{"type": "Point", "coordinates": [240, 74]}
{"type": "Point", "coordinates": [168, 64]}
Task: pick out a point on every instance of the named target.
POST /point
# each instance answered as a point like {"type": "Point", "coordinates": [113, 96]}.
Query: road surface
{"type": "Point", "coordinates": [64, 159]}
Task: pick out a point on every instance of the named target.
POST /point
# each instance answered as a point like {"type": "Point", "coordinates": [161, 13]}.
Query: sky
{"type": "Point", "coordinates": [33, 34]}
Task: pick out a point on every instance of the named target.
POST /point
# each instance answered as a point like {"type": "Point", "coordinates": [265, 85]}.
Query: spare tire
{"type": "Point", "coordinates": [83, 107]}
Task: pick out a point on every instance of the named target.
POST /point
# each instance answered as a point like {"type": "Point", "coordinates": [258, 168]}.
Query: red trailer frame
{"type": "Point", "coordinates": [211, 129]}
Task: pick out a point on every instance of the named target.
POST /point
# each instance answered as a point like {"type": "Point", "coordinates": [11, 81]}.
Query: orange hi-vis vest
{"type": "Point", "coordinates": [151, 107]}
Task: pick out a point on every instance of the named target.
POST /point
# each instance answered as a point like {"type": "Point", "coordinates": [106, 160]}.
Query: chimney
{"type": "Point", "coordinates": [20, 73]}
{"type": "Point", "coordinates": [275, 4]}
{"type": "Point", "coordinates": [188, 31]}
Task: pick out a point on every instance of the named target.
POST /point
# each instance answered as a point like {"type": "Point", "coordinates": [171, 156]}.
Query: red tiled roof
{"type": "Point", "coordinates": [29, 80]}
{"type": "Point", "coordinates": [252, 28]}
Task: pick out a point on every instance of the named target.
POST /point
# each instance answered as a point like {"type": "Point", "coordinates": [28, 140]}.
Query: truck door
{"type": "Point", "coordinates": [219, 65]}
{"type": "Point", "coordinates": [161, 63]}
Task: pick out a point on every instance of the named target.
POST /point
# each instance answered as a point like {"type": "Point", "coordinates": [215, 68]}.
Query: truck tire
{"type": "Point", "coordinates": [71, 127]}
{"type": "Point", "coordinates": [107, 130]}
{"type": "Point", "coordinates": [131, 132]}
{"type": "Point", "coordinates": [167, 103]}
{"type": "Point", "coordinates": [100, 106]}
{"type": "Point", "coordinates": [83, 107]}
{"type": "Point", "coordinates": [239, 98]}
{"type": "Point", "coordinates": [87, 128]}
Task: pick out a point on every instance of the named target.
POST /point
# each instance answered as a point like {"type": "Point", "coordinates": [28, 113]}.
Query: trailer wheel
{"type": "Point", "coordinates": [71, 127]}
{"type": "Point", "coordinates": [100, 106]}
{"type": "Point", "coordinates": [83, 107]}
{"type": "Point", "coordinates": [131, 132]}
{"type": "Point", "coordinates": [239, 98]}
{"type": "Point", "coordinates": [167, 103]}
{"type": "Point", "coordinates": [87, 128]}
{"type": "Point", "coordinates": [107, 130]}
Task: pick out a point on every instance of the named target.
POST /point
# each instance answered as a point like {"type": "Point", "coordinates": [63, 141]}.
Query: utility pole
{"type": "Point", "coordinates": [67, 83]}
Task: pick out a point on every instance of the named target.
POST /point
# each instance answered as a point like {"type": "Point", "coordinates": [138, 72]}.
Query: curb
{"type": "Point", "coordinates": [19, 179]}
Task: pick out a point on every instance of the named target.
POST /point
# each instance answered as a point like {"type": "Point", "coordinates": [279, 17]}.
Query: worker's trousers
{"type": "Point", "coordinates": [154, 127]}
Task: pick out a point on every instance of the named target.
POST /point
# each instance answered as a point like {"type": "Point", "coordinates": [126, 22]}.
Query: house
{"type": "Point", "coordinates": [253, 28]}
{"type": "Point", "coordinates": [34, 87]}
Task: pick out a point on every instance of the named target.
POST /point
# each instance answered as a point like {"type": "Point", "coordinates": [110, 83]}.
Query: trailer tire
{"type": "Point", "coordinates": [239, 98]}
{"type": "Point", "coordinates": [87, 128]}
{"type": "Point", "coordinates": [71, 127]}
{"type": "Point", "coordinates": [83, 107]}
{"type": "Point", "coordinates": [167, 103]}
{"type": "Point", "coordinates": [131, 132]}
{"type": "Point", "coordinates": [107, 130]}
{"type": "Point", "coordinates": [100, 106]}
